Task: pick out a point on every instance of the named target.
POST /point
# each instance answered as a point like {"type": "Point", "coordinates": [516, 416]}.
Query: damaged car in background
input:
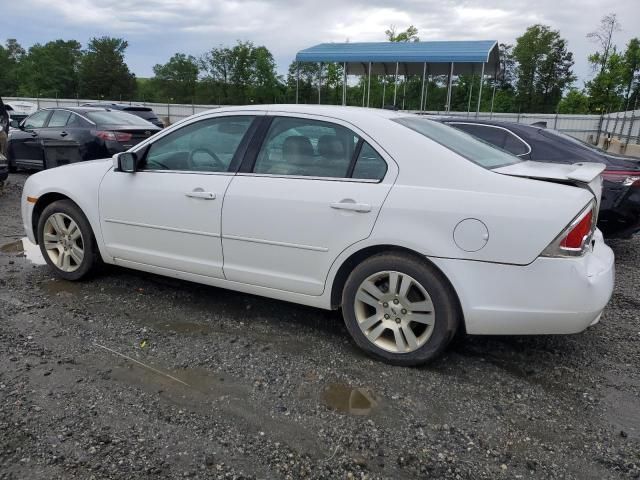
{"type": "Point", "coordinates": [58, 136]}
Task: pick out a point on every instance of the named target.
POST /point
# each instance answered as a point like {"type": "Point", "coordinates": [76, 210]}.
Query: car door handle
{"type": "Point", "coordinates": [352, 206]}
{"type": "Point", "coordinates": [64, 134]}
{"type": "Point", "coordinates": [201, 194]}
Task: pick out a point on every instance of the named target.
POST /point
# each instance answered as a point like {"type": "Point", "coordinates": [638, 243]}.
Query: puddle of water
{"type": "Point", "coordinates": [24, 248]}
{"type": "Point", "coordinates": [182, 327]}
{"type": "Point", "coordinates": [56, 286]}
{"type": "Point", "coordinates": [346, 399]}
{"type": "Point", "coordinates": [202, 386]}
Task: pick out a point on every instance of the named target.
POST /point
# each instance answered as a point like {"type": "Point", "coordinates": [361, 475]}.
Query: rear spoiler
{"type": "Point", "coordinates": [584, 172]}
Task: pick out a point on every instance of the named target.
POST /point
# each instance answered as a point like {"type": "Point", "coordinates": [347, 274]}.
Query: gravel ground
{"type": "Point", "coordinates": [249, 388]}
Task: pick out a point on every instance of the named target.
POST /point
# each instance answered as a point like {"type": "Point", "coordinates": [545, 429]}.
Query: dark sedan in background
{"type": "Point", "coordinates": [143, 112]}
{"type": "Point", "coordinates": [620, 206]}
{"type": "Point", "coordinates": [58, 136]}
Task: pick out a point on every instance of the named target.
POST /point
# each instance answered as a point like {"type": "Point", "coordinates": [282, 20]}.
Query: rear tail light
{"type": "Point", "coordinates": [624, 177]}
{"type": "Point", "coordinates": [113, 136]}
{"type": "Point", "coordinates": [574, 240]}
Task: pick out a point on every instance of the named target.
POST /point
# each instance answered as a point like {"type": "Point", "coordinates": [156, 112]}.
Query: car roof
{"type": "Point", "coordinates": [116, 106]}
{"type": "Point", "coordinates": [79, 110]}
{"type": "Point", "coordinates": [350, 114]}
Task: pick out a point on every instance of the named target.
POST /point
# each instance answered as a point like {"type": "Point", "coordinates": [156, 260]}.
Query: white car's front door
{"type": "Point", "coordinates": [315, 188]}
{"type": "Point", "coordinates": [167, 214]}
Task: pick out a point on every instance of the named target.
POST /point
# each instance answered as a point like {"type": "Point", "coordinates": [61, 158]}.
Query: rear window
{"type": "Point", "coordinates": [145, 113]}
{"type": "Point", "coordinates": [116, 118]}
{"type": "Point", "coordinates": [468, 146]}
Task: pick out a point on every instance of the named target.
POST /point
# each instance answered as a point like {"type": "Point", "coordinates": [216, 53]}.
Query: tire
{"type": "Point", "coordinates": [56, 222]}
{"type": "Point", "coordinates": [417, 328]}
{"type": "Point", "coordinates": [12, 163]}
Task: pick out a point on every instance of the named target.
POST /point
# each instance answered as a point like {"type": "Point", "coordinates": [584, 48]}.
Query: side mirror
{"type": "Point", "coordinates": [14, 124]}
{"type": "Point", "coordinates": [126, 162]}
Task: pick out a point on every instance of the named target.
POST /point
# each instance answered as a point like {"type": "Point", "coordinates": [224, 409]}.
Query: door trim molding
{"type": "Point", "coordinates": [161, 227]}
{"type": "Point", "coordinates": [273, 242]}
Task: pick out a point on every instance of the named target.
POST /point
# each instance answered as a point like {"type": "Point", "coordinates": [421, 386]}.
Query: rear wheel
{"type": "Point", "coordinates": [399, 309]}
{"type": "Point", "coordinates": [66, 240]}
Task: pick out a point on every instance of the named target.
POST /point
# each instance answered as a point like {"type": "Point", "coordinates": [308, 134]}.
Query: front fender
{"type": "Point", "coordinates": [79, 182]}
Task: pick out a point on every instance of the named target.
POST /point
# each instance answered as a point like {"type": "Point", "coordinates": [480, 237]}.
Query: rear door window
{"type": "Point", "coordinates": [369, 164]}
{"type": "Point", "coordinates": [59, 118]}
{"type": "Point", "coordinates": [308, 148]}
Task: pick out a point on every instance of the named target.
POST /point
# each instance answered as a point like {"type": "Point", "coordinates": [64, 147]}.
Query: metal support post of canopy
{"type": "Point", "coordinates": [297, 80]}
{"type": "Point", "coordinates": [369, 85]}
{"type": "Point", "coordinates": [424, 75]}
{"type": "Point", "coordinates": [480, 92]}
{"type": "Point", "coordinates": [473, 79]}
{"type": "Point", "coordinates": [344, 83]}
{"type": "Point", "coordinates": [449, 84]}
{"type": "Point", "coordinates": [319, 82]}
{"type": "Point", "coordinates": [395, 87]}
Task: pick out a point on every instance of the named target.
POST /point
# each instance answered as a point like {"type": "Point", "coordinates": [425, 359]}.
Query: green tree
{"type": "Point", "coordinates": [574, 102]}
{"type": "Point", "coordinates": [408, 35]}
{"type": "Point", "coordinates": [103, 71]}
{"type": "Point", "coordinates": [177, 78]}
{"type": "Point", "coordinates": [241, 74]}
{"type": "Point", "coordinates": [543, 69]}
{"type": "Point", "coordinates": [631, 72]}
{"type": "Point", "coordinates": [607, 87]}
{"type": "Point", "coordinates": [10, 55]}
{"type": "Point", "coordinates": [50, 70]}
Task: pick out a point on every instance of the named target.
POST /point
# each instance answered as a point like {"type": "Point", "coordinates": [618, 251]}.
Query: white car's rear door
{"type": "Point", "coordinates": [286, 220]}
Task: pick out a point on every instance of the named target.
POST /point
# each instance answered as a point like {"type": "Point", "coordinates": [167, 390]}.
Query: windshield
{"type": "Point", "coordinates": [116, 118]}
{"type": "Point", "coordinates": [468, 146]}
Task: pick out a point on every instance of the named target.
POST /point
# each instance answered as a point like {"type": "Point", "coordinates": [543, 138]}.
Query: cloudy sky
{"type": "Point", "coordinates": [156, 29]}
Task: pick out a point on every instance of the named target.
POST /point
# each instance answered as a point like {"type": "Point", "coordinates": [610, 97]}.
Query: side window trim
{"type": "Point", "coordinates": [255, 145]}
{"type": "Point", "coordinates": [498, 128]}
{"type": "Point", "coordinates": [354, 158]}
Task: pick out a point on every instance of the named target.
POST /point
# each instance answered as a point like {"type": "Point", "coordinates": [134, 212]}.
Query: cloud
{"type": "Point", "coordinates": [158, 28]}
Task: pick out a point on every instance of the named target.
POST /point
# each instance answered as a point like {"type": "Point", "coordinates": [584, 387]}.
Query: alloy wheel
{"type": "Point", "coordinates": [63, 242]}
{"type": "Point", "coordinates": [394, 312]}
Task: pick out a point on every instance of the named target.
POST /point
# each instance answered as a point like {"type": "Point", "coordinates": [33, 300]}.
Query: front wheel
{"type": "Point", "coordinates": [66, 240]}
{"type": "Point", "coordinates": [399, 309]}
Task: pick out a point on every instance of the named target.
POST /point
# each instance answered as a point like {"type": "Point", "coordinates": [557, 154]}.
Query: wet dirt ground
{"type": "Point", "coordinates": [131, 375]}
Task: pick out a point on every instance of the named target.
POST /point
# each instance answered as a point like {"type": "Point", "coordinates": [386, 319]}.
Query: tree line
{"type": "Point", "coordinates": [536, 75]}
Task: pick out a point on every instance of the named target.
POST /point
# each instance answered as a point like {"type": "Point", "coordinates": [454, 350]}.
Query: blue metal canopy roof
{"type": "Point", "coordinates": [472, 51]}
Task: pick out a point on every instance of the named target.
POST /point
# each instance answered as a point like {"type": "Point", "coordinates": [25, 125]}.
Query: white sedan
{"type": "Point", "coordinates": [414, 229]}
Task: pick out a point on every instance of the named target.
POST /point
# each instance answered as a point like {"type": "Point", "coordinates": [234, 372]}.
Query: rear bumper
{"type": "Point", "coordinates": [549, 296]}
{"type": "Point", "coordinates": [620, 213]}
